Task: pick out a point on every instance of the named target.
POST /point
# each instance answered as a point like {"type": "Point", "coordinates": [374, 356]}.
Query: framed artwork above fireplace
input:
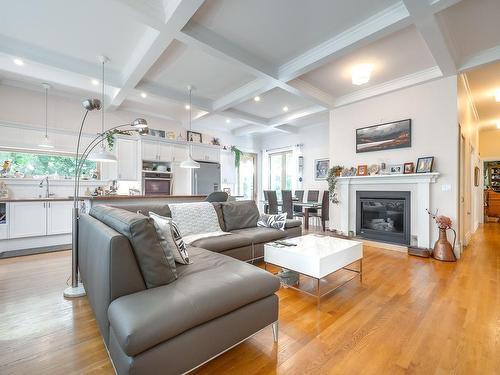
{"type": "Point", "coordinates": [386, 136]}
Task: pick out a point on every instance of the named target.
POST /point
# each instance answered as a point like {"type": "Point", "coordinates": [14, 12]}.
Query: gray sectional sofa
{"type": "Point", "coordinates": [215, 303]}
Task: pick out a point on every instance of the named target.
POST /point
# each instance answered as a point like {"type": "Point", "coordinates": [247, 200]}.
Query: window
{"type": "Point", "coordinates": [31, 164]}
{"type": "Point", "coordinates": [280, 171]}
{"type": "Point", "coordinates": [246, 175]}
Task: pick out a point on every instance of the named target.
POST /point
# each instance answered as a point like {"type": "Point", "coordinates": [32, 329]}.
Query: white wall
{"type": "Point", "coordinates": [432, 107]}
{"type": "Point", "coordinates": [489, 143]}
{"type": "Point", "coordinates": [314, 139]}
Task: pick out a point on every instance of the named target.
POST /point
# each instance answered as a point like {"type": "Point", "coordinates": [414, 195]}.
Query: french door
{"type": "Point", "coordinates": [280, 171]}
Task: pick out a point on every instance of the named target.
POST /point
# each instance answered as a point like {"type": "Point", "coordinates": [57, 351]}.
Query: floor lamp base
{"type": "Point", "coordinates": [75, 292]}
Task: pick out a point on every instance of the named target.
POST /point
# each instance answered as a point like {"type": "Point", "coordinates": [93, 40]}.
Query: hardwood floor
{"type": "Point", "coordinates": [410, 315]}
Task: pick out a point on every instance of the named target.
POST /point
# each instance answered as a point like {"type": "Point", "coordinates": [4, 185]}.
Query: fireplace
{"type": "Point", "coordinates": [383, 216]}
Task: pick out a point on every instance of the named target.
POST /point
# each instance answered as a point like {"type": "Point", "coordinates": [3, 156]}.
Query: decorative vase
{"type": "Point", "coordinates": [443, 250]}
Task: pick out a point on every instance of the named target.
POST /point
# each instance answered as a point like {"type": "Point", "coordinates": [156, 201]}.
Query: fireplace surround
{"type": "Point", "coordinates": [384, 216]}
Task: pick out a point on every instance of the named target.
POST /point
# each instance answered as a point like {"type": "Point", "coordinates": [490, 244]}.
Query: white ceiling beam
{"type": "Point", "coordinates": [246, 117]}
{"type": "Point", "coordinates": [286, 118]}
{"type": "Point", "coordinates": [175, 95]}
{"type": "Point", "coordinates": [140, 12]}
{"type": "Point", "coordinates": [480, 58]}
{"type": "Point", "coordinates": [439, 5]}
{"type": "Point", "coordinates": [152, 47]}
{"type": "Point", "coordinates": [242, 94]}
{"type": "Point", "coordinates": [288, 129]}
{"type": "Point", "coordinates": [389, 20]}
{"type": "Point", "coordinates": [309, 92]}
{"type": "Point", "coordinates": [254, 128]}
{"type": "Point", "coordinates": [425, 20]}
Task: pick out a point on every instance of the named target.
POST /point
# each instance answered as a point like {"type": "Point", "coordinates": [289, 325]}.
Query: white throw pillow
{"type": "Point", "coordinates": [170, 236]}
{"type": "Point", "coordinates": [272, 221]}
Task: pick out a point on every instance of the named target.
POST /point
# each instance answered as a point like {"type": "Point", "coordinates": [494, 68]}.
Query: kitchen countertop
{"type": "Point", "coordinates": [100, 198]}
{"type": "Point", "coordinates": [35, 199]}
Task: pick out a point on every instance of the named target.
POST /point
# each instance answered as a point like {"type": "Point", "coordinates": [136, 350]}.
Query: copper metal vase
{"type": "Point", "coordinates": [443, 250]}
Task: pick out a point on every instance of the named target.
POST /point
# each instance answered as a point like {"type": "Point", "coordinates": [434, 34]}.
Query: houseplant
{"type": "Point", "coordinates": [443, 250]}
{"type": "Point", "coordinates": [333, 174]}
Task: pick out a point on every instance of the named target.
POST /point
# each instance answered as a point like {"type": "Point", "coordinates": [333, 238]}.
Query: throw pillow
{"type": "Point", "coordinates": [273, 221]}
{"type": "Point", "coordinates": [170, 236]}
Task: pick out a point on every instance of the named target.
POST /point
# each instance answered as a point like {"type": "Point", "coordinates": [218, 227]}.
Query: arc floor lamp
{"type": "Point", "coordinates": [139, 125]}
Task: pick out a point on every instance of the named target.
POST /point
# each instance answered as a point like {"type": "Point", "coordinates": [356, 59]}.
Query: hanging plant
{"type": "Point", "coordinates": [237, 156]}
{"type": "Point", "coordinates": [333, 174]}
{"type": "Point", "coordinates": [110, 137]}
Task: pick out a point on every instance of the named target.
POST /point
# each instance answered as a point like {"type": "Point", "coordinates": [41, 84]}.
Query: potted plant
{"type": "Point", "coordinates": [443, 250]}
{"type": "Point", "coordinates": [333, 174]}
{"type": "Point", "coordinates": [237, 156]}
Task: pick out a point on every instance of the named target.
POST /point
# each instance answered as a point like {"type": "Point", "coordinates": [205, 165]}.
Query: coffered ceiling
{"type": "Point", "coordinates": [290, 53]}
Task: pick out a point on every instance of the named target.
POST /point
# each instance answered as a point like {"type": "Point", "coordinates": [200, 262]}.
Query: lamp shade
{"type": "Point", "coordinates": [189, 163]}
{"type": "Point", "coordinates": [46, 143]}
{"type": "Point", "coordinates": [103, 156]}
{"type": "Point", "coordinates": [140, 123]}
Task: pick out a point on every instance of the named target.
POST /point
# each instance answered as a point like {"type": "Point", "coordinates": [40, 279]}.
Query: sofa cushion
{"type": "Point", "coordinates": [170, 237]}
{"type": "Point", "coordinates": [240, 214]}
{"type": "Point", "coordinates": [260, 234]}
{"type": "Point", "coordinates": [277, 221]}
{"type": "Point", "coordinates": [220, 216]}
{"type": "Point", "coordinates": [143, 207]}
{"type": "Point", "coordinates": [292, 223]}
{"type": "Point", "coordinates": [212, 286]}
{"type": "Point", "coordinates": [223, 243]}
{"type": "Point", "coordinates": [156, 262]}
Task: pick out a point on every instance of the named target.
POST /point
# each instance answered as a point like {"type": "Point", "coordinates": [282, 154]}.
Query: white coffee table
{"type": "Point", "coordinates": [317, 256]}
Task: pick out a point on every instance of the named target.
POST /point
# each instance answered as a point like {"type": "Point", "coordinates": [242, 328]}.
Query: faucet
{"type": "Point", "coordinates": [48, 194]}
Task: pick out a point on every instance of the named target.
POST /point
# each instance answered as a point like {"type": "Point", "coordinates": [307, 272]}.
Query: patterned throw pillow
{"type": "Point", "coordinates": [170, 236]}
{"type": "Point", "coordinates": [272, 221]}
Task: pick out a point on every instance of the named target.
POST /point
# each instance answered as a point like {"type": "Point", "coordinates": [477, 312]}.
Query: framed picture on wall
{"type": "Point", "coordinates": [386, 136]}
{"type": "Point", "coordinates": [194, 137]}
{"type": "Point", "coordinates": [321, 167]}
{"type": "Point", "coordinates": [362, 170]}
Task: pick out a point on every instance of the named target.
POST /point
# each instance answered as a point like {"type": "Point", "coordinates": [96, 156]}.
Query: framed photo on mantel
{"type": "Point", "coordinates": [386, 136]}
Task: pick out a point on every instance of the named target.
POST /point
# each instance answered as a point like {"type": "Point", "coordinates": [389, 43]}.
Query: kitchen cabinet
{"type": "Point", "coordinates": [227, 168]}
{"type": "Point", "coordinates": [179, 153]}
{"type": "Point", "coordinates": [127, 155]}
{"type": "Point", "coordinates": [156, 151]}
{"type": "Point", "coordinates": [164, 151]}
{"type": "Point", "coordinates": [59, 217]}
{"type": "Point", "coordinates": [27, 219]}
{"type": "Point", "coordinates": [204, 153]}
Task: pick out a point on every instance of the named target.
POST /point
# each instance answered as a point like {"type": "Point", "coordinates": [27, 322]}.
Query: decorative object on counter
{"type": "Point", "coordinates": [443, 250]}
{"type": "Point", "coordinates": [349, 172]}
{"type": "Point", "coordinates": [321, 167]}
{"type": "Point", "coordinates": [194, 137]}
{"type": "Point", "coordinates": [46, 143]}
{"type": "Point", "coordinates": [362, 170]}
{"type": "Point", "coordinates": [333, 174]}
{"type": "Point", "coordinates": [424, 165]}
{"type": "Point", "coordinates": [189, 163]}
{"type": "Point", "coordinates": [18, 174]}
{"type": "Point", "coordinates": [171, 135]}
{"type": "Point", "coordinates": [237, 155]}
{"type": "Point", "coordinates": [373, 169]}
{"type": "Point", "coordinates": [215, 141]}
{"type": "Point", "coordinates": [4, 191]}
{"type": "Point", "coordinates": [386, 136]}
{"type": "Point", "coordinates": [409, 168]}
{"type": "Point", "coordinates": [138, 125]}
{"type": "Point", "coordinates": [395, 169]}
{"type": "Point", "coordinates": [4, 172]}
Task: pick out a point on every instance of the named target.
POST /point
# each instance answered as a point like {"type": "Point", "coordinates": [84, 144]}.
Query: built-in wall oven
{"type": "Point", "coordinates": [156, 183]}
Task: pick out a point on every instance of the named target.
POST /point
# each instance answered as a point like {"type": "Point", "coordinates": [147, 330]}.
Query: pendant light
{"type": "Point", "coordinates": [46, 143]}
{"type": "Point", "coordinates": [189, 162]}
{"type": "Point", "coordinates": [102, 154]}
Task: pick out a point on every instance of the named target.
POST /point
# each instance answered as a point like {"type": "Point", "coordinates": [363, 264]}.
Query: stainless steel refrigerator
{"type": "Point", "coordinates": [206, 179]}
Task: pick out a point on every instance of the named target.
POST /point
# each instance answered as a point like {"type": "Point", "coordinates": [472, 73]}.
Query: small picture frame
{"type": "Point", "coordinates": [395, 169]}
{"type": "Point", "coordinates": [409, 168]}
{"type": "Point", "coordinates": [194, 137]}
{"type": "Point", "coordinates": [476, 176]}
{"type": "Point", "coordinates": [321, 167]}
{"type": "Point", "coordinates": [362, 170]}
{"type": "Point", "coordinates": [424, 165]}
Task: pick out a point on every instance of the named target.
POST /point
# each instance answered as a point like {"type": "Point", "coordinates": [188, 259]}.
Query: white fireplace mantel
{"type": "Point", "coordinates": [417, 183]}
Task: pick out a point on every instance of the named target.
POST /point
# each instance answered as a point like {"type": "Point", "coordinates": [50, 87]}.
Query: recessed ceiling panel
{"type": "Point", "coordinates": [272, 103]}
{"type": "Point", "coordinates": [279, 30]}
{"type": "Point", "coordinates": [472, 26]}
{"type": "Point", "coordinates": [394, 56]}
{"type": "Point", "coordinates": [180, 66]}
{"type": "Point", "coordinates": [78, 29]}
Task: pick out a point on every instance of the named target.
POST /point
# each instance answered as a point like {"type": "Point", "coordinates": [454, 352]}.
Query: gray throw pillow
{"type": "Point", "coordinates": [170, 237]}
{"type": "Point", "coordinates": [272, 221]}
{"type": "Point", "coordinates": [157, 263]}
{"type": "Point", "coordinates": [240, 215]}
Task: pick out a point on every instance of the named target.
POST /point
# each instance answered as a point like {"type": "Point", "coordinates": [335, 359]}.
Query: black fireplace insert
{"type": "Point", "coordinates": [383, 216]}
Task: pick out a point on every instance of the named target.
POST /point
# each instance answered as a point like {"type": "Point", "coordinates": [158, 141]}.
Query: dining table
{"type": "Point", "coordinates": [306, 207]}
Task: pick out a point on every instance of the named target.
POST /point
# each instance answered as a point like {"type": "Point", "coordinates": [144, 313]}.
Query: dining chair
{"type": "Point", "coordinates": [217, 196]}
{"type": "Point", "coordinates": [299, 194]}
{"type": "Point", "coordinates": [287, 204]}
{"type": "Point", "coordinates": [312, 197]}
{"type": "Point", "coordinates": [266, 198]}
{"type": "Point", "coordinates": [272, 201]}
{"type": "Point", "coordinates": [324, 213]}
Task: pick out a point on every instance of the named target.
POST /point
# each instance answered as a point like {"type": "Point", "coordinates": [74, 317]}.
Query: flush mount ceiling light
{"type": "Point", "coordinates": [285, 109]}
{"type": "Point", "coordinates": [188, 107]}
{"type": "Point", "coordinates": [144, 95]}
{"type": "Point", "coordinates": [228, 121]}
{"type": "Point", "coordinates": [46, 143]}
{"type": "Point", "coordinates": [95, 82]}
{"type": "Point", "coordinates": [256, 99]}
{"type": "Point", "coordinates": [18, 62]}
{"type": "Point", "coordinates": [497, 96]}
{"type": "Point", "coordinates": [361, 74]}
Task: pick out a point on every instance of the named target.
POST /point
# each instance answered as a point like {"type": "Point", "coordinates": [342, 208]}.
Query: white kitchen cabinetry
{"type": "Point", "coordinates": [127, 154]}
{"type": "Point", "coordinates": [156, 151]}
{"type": "Point", "coordinates": [164, 152]}
{"type": "Point", "coordinates": [227, 168]}
{"type": "Point", "coordinates": [179, 153]}
{"type": "Point", "coordinates": [204, 153]}
{"type": "Point", "coordinates": [27, 219]}
{"type": "Point", "coordinates": [59, 217]}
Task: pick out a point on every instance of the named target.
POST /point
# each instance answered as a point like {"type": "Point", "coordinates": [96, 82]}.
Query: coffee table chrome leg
{"type": "Point", "coordinates": [361, 270]}
{"type": "Point", "coordinates": [318, 296]}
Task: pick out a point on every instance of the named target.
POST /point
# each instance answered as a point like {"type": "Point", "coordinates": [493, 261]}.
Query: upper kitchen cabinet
{"type": "Point", "coordinates": [157, 151]}
{"type": "Point", "coordinates": [205, 153]}
{"type": "Point", "coordinates": [127, 166]}
{"type": "Point", "coordinates": [179, 153]}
